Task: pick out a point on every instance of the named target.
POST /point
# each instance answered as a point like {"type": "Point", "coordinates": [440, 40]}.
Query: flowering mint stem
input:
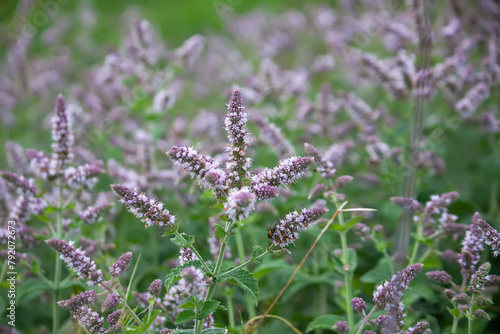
{"type": "Point", "coordinates": [57, 274]}
{"type": "Point", "coordinates": [470, 317]}
{"type": "Point", "coordinates": [347, 274]}
{"type": "Point", "coordinates": [241, 253]}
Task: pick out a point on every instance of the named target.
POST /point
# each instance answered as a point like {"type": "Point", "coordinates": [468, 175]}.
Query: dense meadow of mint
{"type": "Point", "coordinates": [141, 138]}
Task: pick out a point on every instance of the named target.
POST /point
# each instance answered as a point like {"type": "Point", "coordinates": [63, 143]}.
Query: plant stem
{"type": "Point", "coordinates": [230, 307]}
{"type": "Point", "coordinates": [455, 325]}
{"type": "Point", "coordinates": [366, 319]}
{"type": "Point", "coordinates": [57, 274]}
{"type": "Point", "coordinates": [241, 253]}
{"type": "Point", "coordinates": [417, 243]}
{"type": "Point", "coordinates": [347, 273]}
{"type": "Point", "coordinates": [246, 263]}
{"type": "Point", "coordinates": [218, 266]}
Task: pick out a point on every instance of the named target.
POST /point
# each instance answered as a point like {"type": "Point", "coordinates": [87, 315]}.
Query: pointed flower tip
{"type": "Point", "coordinates": [60, 103]}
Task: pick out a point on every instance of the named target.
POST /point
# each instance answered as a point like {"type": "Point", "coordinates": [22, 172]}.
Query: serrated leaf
{"type": "Point", "coordinates": [324, 322]}
{"type": "Point", "coordinates": [175, 274]}
{"type": "Point", "coordinates": [245, 280]}
{"type": "Point", "coordinates": [188, 304]}
{"type": "Point", "coordinates": [184, 241]}
{"type": "Point", "coordinates": [185, 316]}
{"type": "Point", "coordinates": [219, 231]}
{"type": "Point", "coordinates": [255, 253]}
{"type": "Point", "coordinates": [208, 307]}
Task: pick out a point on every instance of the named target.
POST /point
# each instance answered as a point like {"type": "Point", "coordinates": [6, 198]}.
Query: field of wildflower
{"type": "Point", "coordinates": [236, 166]}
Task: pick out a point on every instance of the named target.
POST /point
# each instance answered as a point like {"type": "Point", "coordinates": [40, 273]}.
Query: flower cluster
{"type": "Point", "coordinates": [76, 259]}
{"type": "Point", "coordinates": [186, 255]}
{"type": "Point", "coordinates": [62, 139]}
{"type": "Point", "coordinates": [388, 295]}
{"type": "Point", "coordinates": [83, 176]}
{"type": "Point", "coordinates": [240, 203]}
{"type": "Point", "coordinates": [288, 228]}
{"type": "Point", "coordinates": [86, 317]}
{"type": "Point", "coordinates": [491, 236]}
{"type": "Point", "coordinates": [472, 247]}
{"type": "Point", "coordinates": [148, 210]}
{"type": "Point", "coordinates": [120, 265]}
{"type": "Point", "coordinates": [192, 282]}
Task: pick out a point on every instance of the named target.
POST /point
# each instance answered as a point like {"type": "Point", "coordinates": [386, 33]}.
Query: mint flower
{"type": "Point", "coordinates": [84, 298]}
{"type": "Point", "coordinates": [76, 259]}
{"type": "Point", "coordinates": [491, 236]}
{"type": "Point", "coordinates": [288, 171]}
{"type": "Point", "coordinates": [240, 203]}
{"type": "Point", "coordinates": [147, 209]}
{"type": "Point", "coordinates": [239, 140]}
{"type": "Point", "coordinates": [82, 176]}
{"type": "Point", "coordinates": [323, 166]}
{"type": "Point", "coordinates": [472, 247]}
{"type": "Point", "coordinates": [186, 255]}
{"type": "Point", "coordinates": [288, 228]}
{"type": "Point", "coordinates": [120, 265]}
{"type": "Point", "coordinates": [62, 139]}
{"type": "Point", "coordinates": [24, 186]}
{"type": "Point", "coordinates": [480, 278]}
{"type": "Point", "coordinates": [192, 282]}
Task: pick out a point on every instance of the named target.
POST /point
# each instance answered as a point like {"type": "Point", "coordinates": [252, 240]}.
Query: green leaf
{"type": "Point", "coordinates": [256, 252]}
{"type": "Point", "coordinates": [378, 274]}
{"type": "Point", "coordinates": [147, 323]}
{"type": "Point", "coordinates": [184, 241]}
{"type": "Point", "coordinates": [245, 280]}
{"type": "Point", "coordinates": [34, 286]}
{"type": "Point", "coordinates": [175, 274]}
{"type": "Point", "coordinates": [269, 266]}
{"type": "Point", "coordinates": [35, 267]}
{"type": "Point", "coordinates": [218, 205]}
{"type": "Point", "coordinates": [324, 322]}
{"type": "Point", "coordinates": [189, 304]}
{"type": "Point", "coordinates": [348, 224]}
{"type": "Point", "coordinates": [185, 316]}
{"type": "Point", "coordinates": [219, 231]}
{"type": "Point", "coordinates": [208, 307]}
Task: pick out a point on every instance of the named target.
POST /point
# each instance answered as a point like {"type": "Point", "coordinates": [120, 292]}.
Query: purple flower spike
{"type": "Point", "coordinates": [324, 167]}
{"type": "Point", "coordinates": [480, 278]}
{"type": "Point", "coordinates": [120, 265]}
{"type": "Point", "coordinates": [288, 171]}
{"type": "Point", "coordinates": [144, 208]}
{"type": "Point", "coordinates": [89, 319]}
{"type": "Point", "coordinates": [439, 276]}
{"type": "Point", "coordinates": [111, 302]}
{"type": "Point", "coordinates": [341, 327]}
{"type": "Point", "coordinates": [61, 137]}
{"type": "Point", "coordinates": [239, 140]}
{"type": "Point", "coordinates": [186, 255]}
{"type": "Point", "coordinates": [114, 318]}
{"type": "Point", "coordinates": [196, 164]}
{"type": "Point", "coordinates": [288, 228]}
{"type": "Point", "coordinates": [76, 259]}
{"type": "Point", "coordinates": [240, 203]}
{"type": "Point", "coordinates": [39, 163]}
{"type": "Point", "coordinates": [155, 288]}
{"type": "Point", "coordinates": [491, 237]}
{"type": "Point", "coordinates": [192, 282]}
{"type": "Point", "coordinates": [85, 298]}
{"type": "Point", "coordinates": [264, 191]}
{"type": "Point", "coordinates": [24, 186]}
{"type": "Point", "coordinates": [472, 247]}
{"type": "Point", "coordinates": [388, 295]}
{"type": "Point", "coordinates": [358, 305]}
{"type": "Point", "coordinates": [82, 176]}
{"type": "Point", "coordinates": [422, 327]}
{"type": "Point", "coordinates": [391, 292]}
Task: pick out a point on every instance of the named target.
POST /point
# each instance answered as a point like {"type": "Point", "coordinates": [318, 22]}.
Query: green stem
{"type": "Point", "coordinates": [132, 313]}
{"type": "Point", "coordinates": [4, 270]}
{"type": "Point", "coordinates": [230, 307]}
{"type": "Point", "coordinates": [455, 325]}
{"type": "Point", "coordinates": [241, 254]}
{"type": "Point", "coordinates": [245, 263]}
{"type": "Point", "coordinates": [366, 319]}
{"type": "Point", "coordinates": [218, 266]}
{"type": "Point", "coordinates": [57, 274]}
{"type": "Point", "coordinates": [417, 243]}
{"type": "Point", "coordinates": [470, 317]}
{"type": "Point", "coordinates": [347, 273]}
